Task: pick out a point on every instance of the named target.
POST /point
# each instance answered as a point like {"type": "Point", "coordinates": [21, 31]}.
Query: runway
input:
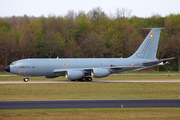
{"type": "Point", "coordinates": [89, 104]}
{"type": "Point", "coordinates": [94, 81]}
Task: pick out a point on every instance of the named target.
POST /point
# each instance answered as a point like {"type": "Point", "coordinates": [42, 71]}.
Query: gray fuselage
{"type": "Point", "coordinates": [45, 67]}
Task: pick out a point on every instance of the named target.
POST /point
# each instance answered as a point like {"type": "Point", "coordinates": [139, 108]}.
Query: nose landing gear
{"type": "Point", "coordinates": [26, 79]}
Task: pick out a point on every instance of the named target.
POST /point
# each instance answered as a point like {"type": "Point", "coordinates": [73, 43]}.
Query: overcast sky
{"type": "Point", "coordinates": [140, 8]}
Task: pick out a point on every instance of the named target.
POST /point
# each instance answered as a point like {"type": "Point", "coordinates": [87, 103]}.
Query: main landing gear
{"type": "Point", "coordinates": [26, 79]}
{"type": "Point", "coordinates": [84, 79]}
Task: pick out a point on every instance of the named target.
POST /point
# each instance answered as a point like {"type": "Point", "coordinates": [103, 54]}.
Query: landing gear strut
{"type": "Point", "coordinates": [26, 79]}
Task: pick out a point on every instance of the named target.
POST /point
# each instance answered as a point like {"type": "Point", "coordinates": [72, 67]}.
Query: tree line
{"type": "Point", "coordinates": [86, 35]}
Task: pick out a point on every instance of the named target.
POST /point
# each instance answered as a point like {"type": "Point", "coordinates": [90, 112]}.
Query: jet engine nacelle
{"type": "Point", "coordinates": [74, 75]}
{"type": "Point", "coordinates": [99, 73]}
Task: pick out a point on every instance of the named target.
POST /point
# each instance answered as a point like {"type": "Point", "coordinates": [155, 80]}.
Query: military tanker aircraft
{"type": "Point", "coordinates": [81, 69]}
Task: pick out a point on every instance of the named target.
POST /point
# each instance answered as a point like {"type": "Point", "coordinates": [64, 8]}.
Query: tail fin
{"type": "Point", "coordinates": [148, 48]}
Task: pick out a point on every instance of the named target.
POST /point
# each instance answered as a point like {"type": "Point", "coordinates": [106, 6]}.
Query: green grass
{"type": "Point", "coordinates": [93, 113]}
{"type": "Point", "coordinates": [127, 76]}
{"type": "Point", "coordinates": [66, 91]}
{"type": "Point", "coordinates": [74, 91]}
{"type": "Point", "coordinates": [5, 73]}
{"type": "Point", "coordinates": [93, 90]}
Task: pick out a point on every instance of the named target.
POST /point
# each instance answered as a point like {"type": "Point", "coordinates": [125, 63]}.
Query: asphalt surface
{"type": "Point", "coordinates": [89, 104]}
{"type": "Point", "coordinates": [96, 81]}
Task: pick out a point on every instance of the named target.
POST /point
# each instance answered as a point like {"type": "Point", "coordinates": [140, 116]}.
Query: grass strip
{"type": "Point", "coordinates": [64, 91]}
{"type": "Point", "coordinates": [93, 113]}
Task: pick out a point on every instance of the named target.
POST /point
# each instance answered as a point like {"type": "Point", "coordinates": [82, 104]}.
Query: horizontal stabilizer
{"type": "Point", "coordinates": [161, 60]}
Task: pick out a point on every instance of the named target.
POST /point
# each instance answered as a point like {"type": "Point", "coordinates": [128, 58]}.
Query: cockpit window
{"type": "Point", "coordinates": [12, 63]}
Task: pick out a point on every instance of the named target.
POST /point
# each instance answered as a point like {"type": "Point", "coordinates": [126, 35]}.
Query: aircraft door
{"type": "Point", "coordinates": [22, 72]}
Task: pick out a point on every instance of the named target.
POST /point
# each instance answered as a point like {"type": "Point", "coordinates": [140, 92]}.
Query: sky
{"type": "Point", "coordinates": [140, 8]}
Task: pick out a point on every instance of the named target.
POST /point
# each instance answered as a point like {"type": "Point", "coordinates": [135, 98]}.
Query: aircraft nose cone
{"type": "Point", "coordinates": [7, 68]}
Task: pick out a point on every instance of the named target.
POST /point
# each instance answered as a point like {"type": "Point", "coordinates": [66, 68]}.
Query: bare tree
{"type": "Point", "coordinates": [122, 13]}
{"type": "Point", "coordinates": [71, 15]}
{"type": "Point", "coordinates": [95, 13]}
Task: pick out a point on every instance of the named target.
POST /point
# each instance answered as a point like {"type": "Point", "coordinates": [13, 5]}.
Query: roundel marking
{"type": "Point", "coordinates": [151, 35]}
{"type": "Point", "coordinates": [64, 64]}
{"type": "Point", "coordinates": [132, 64]}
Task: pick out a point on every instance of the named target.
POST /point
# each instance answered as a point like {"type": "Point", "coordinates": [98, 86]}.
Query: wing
{"type": "Point", "coordinates": [60, 72]}
{"type": "Point", "coordinates": [87, 71]}
{"type": "Point", "coordinates": [117, 69]}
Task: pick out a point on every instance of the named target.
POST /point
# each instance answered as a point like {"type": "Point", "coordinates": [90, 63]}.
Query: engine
{"type": "Point", "coordinates": [74, 75]}
{"type": "Point", "coordinates": [99, 73]}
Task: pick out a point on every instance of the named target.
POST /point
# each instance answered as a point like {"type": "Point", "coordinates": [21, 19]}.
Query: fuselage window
{"type": "Point", "coordinates": [26, 66]}
{"type": "Point", "coordinates": [22, 67]}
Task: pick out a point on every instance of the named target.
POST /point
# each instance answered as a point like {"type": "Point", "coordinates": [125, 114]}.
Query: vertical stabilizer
{"type": "Point", "coordinates": [148, 48]}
